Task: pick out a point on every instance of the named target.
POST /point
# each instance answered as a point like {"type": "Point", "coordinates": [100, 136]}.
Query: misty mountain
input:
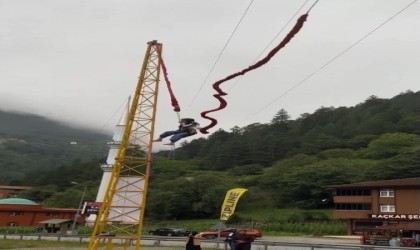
{"type": "Point", "coordinates": [31, 142]}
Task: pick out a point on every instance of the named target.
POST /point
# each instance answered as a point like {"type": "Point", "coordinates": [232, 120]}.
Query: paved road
{"type": "Point", "coordinates": [258, 245]}
{"type": "Point", "coordinates": [314, 239]}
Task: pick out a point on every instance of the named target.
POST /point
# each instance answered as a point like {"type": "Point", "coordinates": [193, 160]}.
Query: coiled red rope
{"type": "Point", "coordinates": [174, 101]}
{"type": "Point", "coordinates": [216, 85]}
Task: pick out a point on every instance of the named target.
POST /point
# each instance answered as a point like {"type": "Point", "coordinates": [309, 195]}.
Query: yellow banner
{"type": "Point", "coordinates": [231, 199]}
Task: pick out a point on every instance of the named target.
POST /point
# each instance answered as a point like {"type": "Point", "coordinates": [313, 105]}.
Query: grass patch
{"type": "Point", "coordinates": [13, 244]}
{"type": "Point", "coordinates": [281, 214]}
{"type": "Point", "coordinates": [53, 245]}
{"type": "Point", "coordinates": [271, 222]}
{"type": "Point", "coordinates": [193, 225]}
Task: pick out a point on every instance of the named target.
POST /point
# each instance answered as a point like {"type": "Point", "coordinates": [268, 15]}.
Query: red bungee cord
{"type": "Point", "coordinates": [216, 85]}
{"type": "Point", "coordinates": [174, 101]}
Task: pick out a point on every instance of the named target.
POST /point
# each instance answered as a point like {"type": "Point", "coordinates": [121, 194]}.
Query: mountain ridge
{"type": "Point", "coordinates": [32, 142]}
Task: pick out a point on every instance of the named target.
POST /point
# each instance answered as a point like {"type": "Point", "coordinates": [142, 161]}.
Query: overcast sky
{"type": "Point", "coordinates": [78, 60]}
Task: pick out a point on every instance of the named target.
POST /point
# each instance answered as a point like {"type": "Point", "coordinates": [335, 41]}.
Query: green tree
{"type": "Point", "coordinates": [39, 194]}
{"type": "Point", "coordinates": [306, 186]}
{"type": "Point", "coordinates": [70, 198]}
{"type": "Point", "coordinates": [190, 196]}
{"type": "Point", "coordinates": [403, 165]}
{"type": "Point", "coordinates": [281, 117]}
{"type": "Point", "coordinates": [389, 145]}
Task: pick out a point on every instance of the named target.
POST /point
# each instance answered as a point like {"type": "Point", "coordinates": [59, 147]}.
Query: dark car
{"type": "Point", "coordinates": [213, 234]}
{"type": "Point", "coordinates": [168, 231]}
{"type": "Point", "coordinates": [106, 234]}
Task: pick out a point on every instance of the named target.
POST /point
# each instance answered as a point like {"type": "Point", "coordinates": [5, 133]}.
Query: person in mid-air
{"type": "Point", "coordinates": [187, 127]}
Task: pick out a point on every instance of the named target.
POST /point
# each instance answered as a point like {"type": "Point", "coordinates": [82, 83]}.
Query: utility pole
{"type": "Point", "coordinates": [78, 213]}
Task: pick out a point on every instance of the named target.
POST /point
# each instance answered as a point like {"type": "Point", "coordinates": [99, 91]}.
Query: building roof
{"type": "Point", "coordinates": [407, 182]}
{"type": "Point", "coordinates": [54, 221]}
{"type": "Point", "coordinates": [16, 201]}
{"type": "Point", "coordinates": [14, 188]}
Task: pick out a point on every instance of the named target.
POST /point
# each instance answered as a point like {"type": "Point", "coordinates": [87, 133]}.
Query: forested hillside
{"type": "Point", "coordinates": [292, 163]}
{"type": "Point", "coordinates": [34, 143]}
{"type": "Point", "coordinates": [284, 163]}
{"type": "Point", "coordinates": [327, 128]}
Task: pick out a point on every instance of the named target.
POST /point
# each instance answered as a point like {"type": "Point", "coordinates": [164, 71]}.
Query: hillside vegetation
{"type": "Point", "coordinates": [33, 143]}
{"type": "Point", "coordinates": [283, 164]}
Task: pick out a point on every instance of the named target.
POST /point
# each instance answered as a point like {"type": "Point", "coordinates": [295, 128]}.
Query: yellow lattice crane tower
{"type": "Point", "coordinates": [122, 212]}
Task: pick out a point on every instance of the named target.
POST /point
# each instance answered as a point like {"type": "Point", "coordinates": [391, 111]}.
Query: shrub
{"type": "Point", "coordinates": [18, 230]}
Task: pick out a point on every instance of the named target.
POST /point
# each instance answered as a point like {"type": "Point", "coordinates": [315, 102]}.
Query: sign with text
{"type": "Point", "coordinates": [231, 199]}
{"type": "Point", "coordinates": [91, 207]}
{"type": "Point", "coordinates": [396, 216]}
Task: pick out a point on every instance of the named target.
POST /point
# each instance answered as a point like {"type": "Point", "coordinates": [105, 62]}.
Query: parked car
{"type": "Point", "coordinates": [165, 231]}
{"type": "Point", "coordinates": [223, 234]}
{"type": "Point", "coordinates": [106, 234]}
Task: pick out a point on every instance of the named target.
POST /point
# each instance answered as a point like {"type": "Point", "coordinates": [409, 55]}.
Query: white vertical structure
{"type": "Point", "coordinates": [114, 146]}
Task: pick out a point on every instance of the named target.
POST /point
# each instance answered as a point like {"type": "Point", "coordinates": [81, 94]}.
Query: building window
{"type": "Point", "coordinates": [12, 195]}
{"type": "Point", "coordinates": [12, 224]}
{"type": "Point", "coordinates": [16, 213]}
{"type": "Point", "coordinates": [52, 214]}
{"type": "Point", "coordinates": [388, 208]}
{"type": "Point", "coordinates": [353, 206]}
{"type": "Point", "coordinates": [387, 192]}
{"type": "Point", "coordinates": [352, 192]}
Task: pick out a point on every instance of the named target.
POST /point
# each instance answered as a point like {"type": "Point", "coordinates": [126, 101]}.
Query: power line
{"type": "Point", "coordinates": [221, 52]}
{"type": "Point", "coordinates": [335, 58]}
{"type": "Point", "coordinates": [118, 110]}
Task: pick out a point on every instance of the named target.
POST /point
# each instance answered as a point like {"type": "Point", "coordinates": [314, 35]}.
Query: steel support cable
{"type": "Point", "coordinates": [117, 111]}
{"type": "Point", "coordinates": [335, 58]}
{"type": "Point", "coordinates": [221, 52]}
